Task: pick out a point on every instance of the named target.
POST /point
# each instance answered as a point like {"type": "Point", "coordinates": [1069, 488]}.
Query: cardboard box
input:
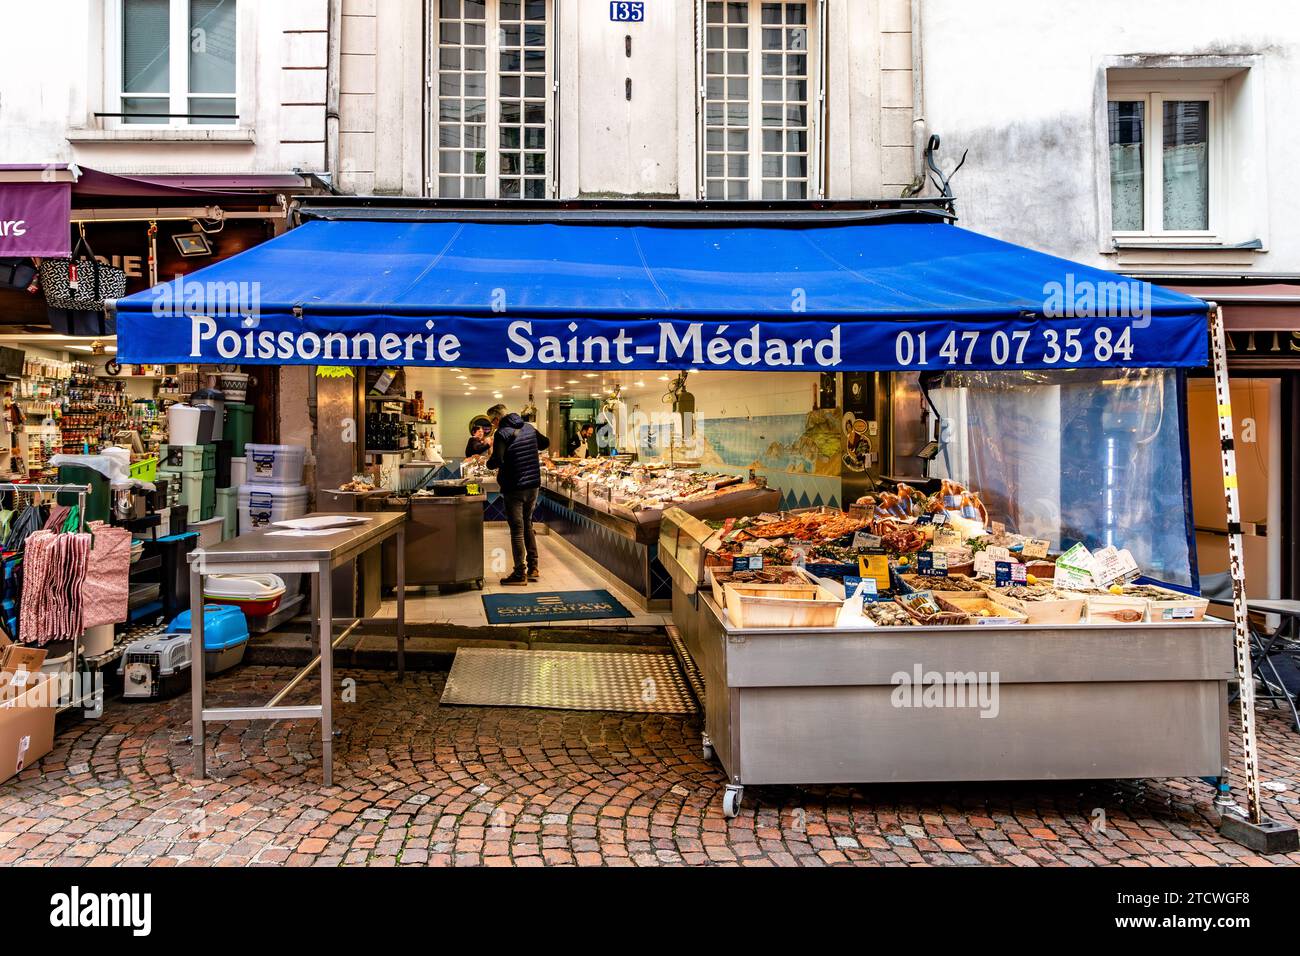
{"type": "Point", "coordinates": [16, 657]}
{"type": "Point", "coordinates": [27, 708]}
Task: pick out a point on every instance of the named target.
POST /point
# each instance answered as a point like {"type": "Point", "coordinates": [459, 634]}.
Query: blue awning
{"type": "Point", "coordinates": [899, 295]}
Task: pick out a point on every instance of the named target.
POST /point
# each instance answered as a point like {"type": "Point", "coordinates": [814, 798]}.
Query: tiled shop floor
{"type": "Point", "coordinates": [562, 569]}
{"type": "Point", "coordinates": [422, 784]}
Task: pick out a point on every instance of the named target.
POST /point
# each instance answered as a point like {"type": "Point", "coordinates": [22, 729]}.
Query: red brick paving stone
{"type": "Point", "coordinates": [419, 785]}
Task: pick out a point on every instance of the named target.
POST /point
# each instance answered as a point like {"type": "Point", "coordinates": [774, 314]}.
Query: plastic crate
{"type": "Point", "coordinates": [188, 458]}
{"type": "Point", "coordinates": [145, 470]}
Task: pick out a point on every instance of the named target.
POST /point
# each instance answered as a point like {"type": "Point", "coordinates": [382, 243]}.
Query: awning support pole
{"type": "Point", "coordinates": [1236, 567]}
{"type": "Point", "coordinates": [1254, 831]}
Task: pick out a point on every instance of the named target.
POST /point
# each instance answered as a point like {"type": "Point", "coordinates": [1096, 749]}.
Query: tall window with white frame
{"type": "Point", "coordinates": [758, 114]}
{"type": "Point", "coordinates": [177, 62]}
{"type": "Point", "coordinates": [494, 103]}
{"type": "Point", "coordinates": [1163, 165]}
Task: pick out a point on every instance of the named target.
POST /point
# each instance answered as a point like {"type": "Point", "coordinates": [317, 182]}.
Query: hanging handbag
{"type": "Point", "coordinates": [81, 282]}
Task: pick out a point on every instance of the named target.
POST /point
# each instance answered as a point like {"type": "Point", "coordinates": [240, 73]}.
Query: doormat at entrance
{"type": "Point", "coordinates": [524, 607]}
{"type": "Point", "coordinates": [567, 680]}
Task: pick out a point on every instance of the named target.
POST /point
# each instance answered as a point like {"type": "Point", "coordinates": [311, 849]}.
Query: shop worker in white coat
{"type": "Point", "coordinates": [515, 447]}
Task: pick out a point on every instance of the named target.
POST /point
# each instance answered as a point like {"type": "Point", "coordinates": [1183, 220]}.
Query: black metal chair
{"type": "Point", "coordinates": [1264, 644]}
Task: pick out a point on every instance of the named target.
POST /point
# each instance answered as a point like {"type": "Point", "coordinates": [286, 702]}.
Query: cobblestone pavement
{"type": "Point", "coordinates": [419, 784]}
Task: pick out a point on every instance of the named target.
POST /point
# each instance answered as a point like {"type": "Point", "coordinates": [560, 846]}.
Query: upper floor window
{"type": "Point", "coordinates": [175, 62]}
{"type": "Point", "coordinates": [1164, 167]}
{"type": "Point", "coordinates": [494, 101]}
{"type": "Point", "coordinates": [760, 102]}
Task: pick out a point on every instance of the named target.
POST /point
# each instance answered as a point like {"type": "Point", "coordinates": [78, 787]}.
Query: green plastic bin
{"type": "Point", "coordinates": [98, 501]}
{"type": "Point", "coordinates": [239, 428]}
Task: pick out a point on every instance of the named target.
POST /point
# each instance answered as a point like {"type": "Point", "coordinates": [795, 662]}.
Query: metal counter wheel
{"type": "Point", "coordinates": [731, 798]}
{"type": "Point", "coordinates": [479, 584]}
{"type": "Point", "coordinates": [706, 747]}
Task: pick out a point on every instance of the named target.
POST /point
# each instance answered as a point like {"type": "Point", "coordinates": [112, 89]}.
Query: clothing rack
{"type": "Point", "coordinates": [81, 490]}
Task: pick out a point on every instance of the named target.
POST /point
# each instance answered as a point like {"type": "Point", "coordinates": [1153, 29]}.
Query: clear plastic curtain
{"type": "Point", "coordinates": [1085, 455]}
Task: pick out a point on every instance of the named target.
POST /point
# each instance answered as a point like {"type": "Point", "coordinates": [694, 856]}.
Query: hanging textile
{"type": "Point", "coordinates": [11, 589]}
{"type": "Point", "coordinates": [106, 589]}
{"type": "Point", "coordinates": [54, 570]}
{"type": "Point", "coordinates": [58, 515]}
{"type": "Point", "coordinates": [28, 520]}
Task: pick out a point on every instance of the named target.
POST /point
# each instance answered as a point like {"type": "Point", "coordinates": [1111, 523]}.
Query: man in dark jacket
{"type": "Point", "coordinates": [515, 448]}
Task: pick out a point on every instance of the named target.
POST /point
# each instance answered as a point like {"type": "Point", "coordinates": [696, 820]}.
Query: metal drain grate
{"type": "Point", "coordinates": [568, 680]}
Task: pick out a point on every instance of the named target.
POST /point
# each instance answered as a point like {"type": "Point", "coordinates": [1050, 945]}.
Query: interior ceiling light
{"type": "Point", "coordinates": [592, 375]}
{"type": "Point", "coordinates": [572, 381]}
{"type": "Point", "coordinates": [639, 384]}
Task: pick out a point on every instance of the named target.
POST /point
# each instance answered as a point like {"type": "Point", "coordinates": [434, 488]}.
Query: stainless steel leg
{"type": "Point", "coordinates": [313, 582]}
{"type": "Point", "coordinates": [401, 604]}
{"type": "Point", "coordinates": [196, 671]}
{"type": "Point", "coordinates": [326, 602]}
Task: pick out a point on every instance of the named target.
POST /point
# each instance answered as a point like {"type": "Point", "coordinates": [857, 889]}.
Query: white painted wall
{"type": "Point", "coordinates": [52, 82]}
{"type": "Point", "coordinates": [1018, 83]}
{"type": "Point", "coordinates": [609, 146]}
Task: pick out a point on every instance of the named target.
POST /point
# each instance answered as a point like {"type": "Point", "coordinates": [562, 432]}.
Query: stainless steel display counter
{"type": "Point", "coordinates": [267, 552]}
{"type": "Point", "coordinates": [827, 706]}
{"type": "Point", "coordinates": [626, 543]}
{"type": "Point", "coordinates": [444, 542]}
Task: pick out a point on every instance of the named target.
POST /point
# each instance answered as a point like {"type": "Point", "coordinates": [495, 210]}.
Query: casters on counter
{"type": "Point", "coordinates": [706, 747]}
{"type": "Point", "coordinates": [479, 584]}
{"type": "Point", "coordinates": [731, 800]}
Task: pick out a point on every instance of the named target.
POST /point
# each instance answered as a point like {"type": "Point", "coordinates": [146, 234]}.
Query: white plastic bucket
{"type": "Point", "coordinates": [97, 640]}
{"type": "Point", "coordinates": [281, 464]}
{"type": "Point", "coordinates": [183, 424]}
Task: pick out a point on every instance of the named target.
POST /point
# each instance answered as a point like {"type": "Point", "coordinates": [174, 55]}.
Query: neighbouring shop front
{"type": "Point", "coordinates": [739, 370]}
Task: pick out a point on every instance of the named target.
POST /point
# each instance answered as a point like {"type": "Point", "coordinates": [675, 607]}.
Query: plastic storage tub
{"type": "Point", "coordinates": [262, 504]}
{"type": "Point", "coordinates": [225, 636]}
{"type": "Point", "coordinates": [255, 594]}
{"type": "Point", "coordinates": [280, 464]}
{"type": "Point", "coordinates": [238, 471]}
{"type": "Point", "coordinates": [209, 531]}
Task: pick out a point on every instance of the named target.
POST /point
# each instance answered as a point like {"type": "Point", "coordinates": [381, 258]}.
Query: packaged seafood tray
{"type": "Point", "coordinates": [1041, 604]}
{"type": "Point", "coordinates": [782, 605]}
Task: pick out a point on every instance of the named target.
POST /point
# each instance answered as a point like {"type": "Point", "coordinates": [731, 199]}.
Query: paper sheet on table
{"type": "Point", "coordinates": [308, 532]}
{"type": "Point", "coordinates": [317, 522]}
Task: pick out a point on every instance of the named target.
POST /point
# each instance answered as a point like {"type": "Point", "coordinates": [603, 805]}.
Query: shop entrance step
{"type": "Point", "coordinates": [434, 646]}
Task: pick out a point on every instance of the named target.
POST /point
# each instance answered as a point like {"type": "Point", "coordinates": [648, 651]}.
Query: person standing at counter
{"type": "Point", "coordinates": [478, 443]}
{"type": "Point", "coordinates": [581, 444]}
{"type": "Point", "coordinates": [515, 448]}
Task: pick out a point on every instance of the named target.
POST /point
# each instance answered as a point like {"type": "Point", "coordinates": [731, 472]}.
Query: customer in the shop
{"type": "Point", "coordinates": [515, 448]}
{"type": "Point", "coordinates": [478, 443]}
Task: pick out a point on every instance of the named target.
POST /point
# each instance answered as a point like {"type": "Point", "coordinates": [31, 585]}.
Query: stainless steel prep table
{"type": "Point", "coordinates": [262, 552]}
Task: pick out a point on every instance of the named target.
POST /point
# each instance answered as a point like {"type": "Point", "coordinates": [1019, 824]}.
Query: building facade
{"type": "Point", "coordinates": [667, 99]}
{"type": "Point", "coordinates": [1152, 140]}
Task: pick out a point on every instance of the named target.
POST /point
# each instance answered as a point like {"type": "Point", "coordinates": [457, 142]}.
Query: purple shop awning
{"type": "Point", "coordinates": [34, 217]}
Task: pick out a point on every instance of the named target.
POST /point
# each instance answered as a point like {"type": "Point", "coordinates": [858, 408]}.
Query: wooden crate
{"type": "Point", "coordinates": [982, 609]}
{"type": "Point", "coordinates": [718, 578]}
{"type": "Point", "coordinates": [780, 605]}
{"type": "Point", "coordinates": [1176, 607]}
{"type": "Point", "coordinates": [1116, 609]}
{"type": "Point", "coordinates": [1063, 611]}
